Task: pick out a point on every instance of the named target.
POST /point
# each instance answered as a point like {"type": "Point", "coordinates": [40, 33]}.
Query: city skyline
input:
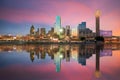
{"type": "Point", "coordinates": [17, 16]}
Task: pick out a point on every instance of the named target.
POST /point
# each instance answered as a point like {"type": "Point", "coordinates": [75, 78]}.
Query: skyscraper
{"type": "Point", "coordinates": [82, 25]}
{"type": "Point", "coordinates": [32, 30]}
{"type": "Point", "coordinates": [57, 25]}
{"type": "Point", "coordinates": [37, 32]}
{"type": "Point", "coordinates": [97, 16]}
{"type": "Point", "coordinates": [42, 32]}
{"type": "Point", "coordinates": [58, 21]}
{"type": "Point", "coordinates": [67, 30]}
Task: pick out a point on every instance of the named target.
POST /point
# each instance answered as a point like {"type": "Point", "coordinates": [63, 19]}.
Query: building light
{"type": "Point", "coordinates": [61, 30]}
{"type": "Point", "coordinates": [61, 56]}
{"type": "Point", "coordinates": [14, 37]}
{"type": "Point", "coordinates": [97, 14]}
{"type": "Point", "coordinates": [55, 39]}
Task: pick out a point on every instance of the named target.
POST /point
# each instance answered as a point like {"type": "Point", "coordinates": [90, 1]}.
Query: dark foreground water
{"type": "Point", "coordinates": [60, 62]}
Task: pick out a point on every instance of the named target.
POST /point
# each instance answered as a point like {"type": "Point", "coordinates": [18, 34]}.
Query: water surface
{"type": "Point", "coordinates": [60, 62]}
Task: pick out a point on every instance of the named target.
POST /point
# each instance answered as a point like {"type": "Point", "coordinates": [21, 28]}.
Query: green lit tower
{"type": "Point", "coordinates": [57, 25]}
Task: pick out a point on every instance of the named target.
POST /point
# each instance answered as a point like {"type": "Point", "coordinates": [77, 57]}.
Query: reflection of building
{"type": "Point", "coordinates": [106, 53]}
{"type": "Point", "coordinates": [74, 52]}
{"type": "Point", "coordinates": [99, 48]}
{"type": "Point", "coordinates": [84, 53]}
{"type": "Point", "coordinates": [82, 60]}
{"type": "Point", "coordinates": [32, 55]}
{"type": "Point", "coordinates": [57, 61]}
{"type": "Point", "coordinates": [80, 52]}
{"type": "Point", "coordinates": [67, 55]}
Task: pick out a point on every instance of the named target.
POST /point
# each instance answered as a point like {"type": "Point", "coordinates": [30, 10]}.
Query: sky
{"type": "Point", "coordinates": [17, 16]}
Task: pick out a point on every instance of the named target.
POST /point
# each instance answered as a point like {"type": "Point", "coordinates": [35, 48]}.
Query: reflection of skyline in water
{"type": "Point", "coordinates": [64, 52]}
{"type": "Point", "coordinates": [61, 53]}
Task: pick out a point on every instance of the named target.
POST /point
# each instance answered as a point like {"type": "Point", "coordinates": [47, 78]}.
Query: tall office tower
{"type": "Point", "coordinates": [32, 30]}
{"type": "Point", "coordinates": [67, 30]}
{"type": "Point", "coordinates": [57, 25]}
{"type": "Point", "coordinates": [37, 32]}
{"type": "Point", "coordinates": [82, 25]}
{"type": "Point", "coordinates": [42, 32]}
{"type": "Point", "coordinates": [97, 16]}
{"type": "Point", "coordinates": [74, 33]}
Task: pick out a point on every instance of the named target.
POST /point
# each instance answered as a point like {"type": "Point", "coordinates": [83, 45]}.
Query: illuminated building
{"type": "Point", "coordinates": [97, 15]}
{"type": "Point", "coordinates": [50, 33]}
{"type": "Point", "coordinates": [105, 33]}
{"type": "Point", "coordinates": [61, 33]}
{"type": "Point", "coordinates": [32, 56]}
{"type": "Point", "coordinates": [37, 32]}
{"type": "Point", "coordinates": [82, 60]}
{"type": "Point", "coordinates": [74, 33]}
{"type": "Point", "coordinates": [67, 30]}
{"type": "Point", "coordinates": [32, 31]}
{"type": "Point", "coordinates": [106, 52]}
{"type": "Point", "coordinates": [74, 52]}
{"type": "Point", "coordinates": [42, 32]}
{"type": "Point", "coordinates": [67, 55]}
{"type": "Point", "coordinates": [43, 54]}
{"type": "Point", "coordinates": [83, 31]}
{"type": "Point", "coordinates": [97, 71]}
{"type": "Point", "coordinates": [57, 26]}
{"type": "Point", "coordinates": [57, 60]}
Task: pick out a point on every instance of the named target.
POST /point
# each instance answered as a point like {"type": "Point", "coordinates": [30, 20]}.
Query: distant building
{"type": "Point", "coordinates": [97, 16]}
{"type": "Point", "coordinates": [67, 30]}
{"type": "Point", "coordinates": [38, 32]}
{"type": "Point", "coordinates": [74, 33]}
{"type": "Point", "coordinates": [32, 31]}
{"type": "Point", "coordinates": [85, 32]}
{"type": "Point", "coordinates": [82, 25]}
{"type": "Point", "coordinates": [106, 33]}
{"type": "Point", "coordinates": [50, 33]}
{"type": "Point", "coordinates": [82, 60]}
{"type": "Point", "coordinates": [42, 32]}
{"type": "Point", "coordinates": [106, 53]}
{"type": "Point", "coordinates": [57, 61]}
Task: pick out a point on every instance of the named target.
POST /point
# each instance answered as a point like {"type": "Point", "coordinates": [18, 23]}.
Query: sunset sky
{"type": "Point", "coordinates": [16, 16]}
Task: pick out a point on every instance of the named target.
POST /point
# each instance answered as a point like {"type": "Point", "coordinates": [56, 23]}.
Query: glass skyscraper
{"type": "Point", "coordinates": [82, 25]}
{"type": "Point", "coordinates": [57, 24]}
